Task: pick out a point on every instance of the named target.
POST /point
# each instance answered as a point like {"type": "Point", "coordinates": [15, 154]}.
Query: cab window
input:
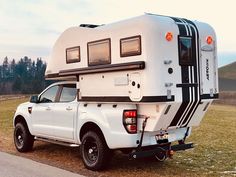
{"type": "Point", "coordinates": [49, 95]}
{"type": "Point", "coordinates": [68, 93]}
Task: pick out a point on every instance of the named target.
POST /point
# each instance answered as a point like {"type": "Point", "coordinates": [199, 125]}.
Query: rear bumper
{"type": "Point", "coordinates": [141, 153]}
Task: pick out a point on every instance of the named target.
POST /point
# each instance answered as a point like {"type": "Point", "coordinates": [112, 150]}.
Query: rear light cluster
{"type": "Point", "coordinates": [130, 120]}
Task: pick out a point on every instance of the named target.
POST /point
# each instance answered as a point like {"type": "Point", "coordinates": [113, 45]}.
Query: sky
{"type": "Point", "coordinates": [31, 27]}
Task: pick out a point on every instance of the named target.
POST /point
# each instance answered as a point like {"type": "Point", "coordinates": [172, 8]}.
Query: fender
{"type": "Point", "coordinates": [110, 121]}
{"type": "Point", "coordinates": [22, 111]}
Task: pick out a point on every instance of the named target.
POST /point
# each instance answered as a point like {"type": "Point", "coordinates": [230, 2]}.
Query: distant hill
{"type": "Point", "coordinates": [228, 71]}
{"type": "Point", "coordinates": [227, 77]}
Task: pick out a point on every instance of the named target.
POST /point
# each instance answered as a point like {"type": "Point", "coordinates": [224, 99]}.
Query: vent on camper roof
{"type": "Point", "coordinates": [88, 25]}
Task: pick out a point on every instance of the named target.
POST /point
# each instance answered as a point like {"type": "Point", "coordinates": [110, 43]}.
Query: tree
{"type": "Point", "coordinates": [24, 76]}
{"type": "Point", "coordinates": [12, 69]}
{"type": "Point", "coordinates": [5, 68]}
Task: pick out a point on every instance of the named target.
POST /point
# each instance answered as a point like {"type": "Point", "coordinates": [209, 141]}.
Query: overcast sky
{"type": "Point", "coordinates": [30, 27]}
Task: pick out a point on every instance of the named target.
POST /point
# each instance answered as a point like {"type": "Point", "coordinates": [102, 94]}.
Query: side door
{"type": "Point", "coordinates": [134, 86]}
{"type": "Point", "coordinates": [64, 113]}
{"type": "Point", "coordinates": [42, 112]}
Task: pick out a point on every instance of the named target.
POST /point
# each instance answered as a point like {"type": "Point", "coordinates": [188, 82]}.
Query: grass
{"type": "Point", "coordinates": [214, 155]}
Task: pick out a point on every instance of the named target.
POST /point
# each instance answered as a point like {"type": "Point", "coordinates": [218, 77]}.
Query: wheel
{"type": "Point", "coordinates": [161, 156]}
{"type": "Point", "coordinates": [95, 153]}
{"type": "Point", "coordinates": [22, 138]}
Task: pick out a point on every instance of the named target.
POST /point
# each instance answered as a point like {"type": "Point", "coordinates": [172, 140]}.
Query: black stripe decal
{"type": "Point", "coordinates": [184, 78]}
{"type": "Point", "coordinates": [195, 102]}
{"type": "Point", "coordinates": [190, 103]}
{"type": "Point", "coordinates": [198, 99]}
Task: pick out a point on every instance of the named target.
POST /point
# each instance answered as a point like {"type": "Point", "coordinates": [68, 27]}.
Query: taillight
{"type": "Point", "coordinates": [130, 120]}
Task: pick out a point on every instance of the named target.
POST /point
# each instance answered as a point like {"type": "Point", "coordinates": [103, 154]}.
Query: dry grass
{"type": "Point", "coordinates": [12, 97]}
{"type": "Point", "coordinates": [215, 154]}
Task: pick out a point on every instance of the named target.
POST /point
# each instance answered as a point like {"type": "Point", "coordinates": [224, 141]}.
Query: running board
{"type": "Point", "coordinates": [56, 142]}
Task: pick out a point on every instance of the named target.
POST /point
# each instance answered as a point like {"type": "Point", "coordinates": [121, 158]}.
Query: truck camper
{"type": "Point", "coordinates": [136, 85]}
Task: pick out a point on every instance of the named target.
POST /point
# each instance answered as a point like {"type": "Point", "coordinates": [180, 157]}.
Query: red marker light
{"type": "Point", "coordinates": [169, 36]}
{"type": "Point", "coordinates": [209, 40]}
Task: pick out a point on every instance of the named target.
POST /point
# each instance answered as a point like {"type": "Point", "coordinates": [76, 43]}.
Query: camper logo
{"type": "Point", "coordinates": [207, 69]}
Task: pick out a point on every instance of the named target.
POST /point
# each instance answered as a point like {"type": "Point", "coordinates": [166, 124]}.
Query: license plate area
{"type": "Point", "coordinates": [162, 138]}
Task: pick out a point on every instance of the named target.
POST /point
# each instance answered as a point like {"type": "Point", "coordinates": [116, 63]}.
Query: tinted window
{"type": "Point", "coordinates": [73, 54]}
{"type": "Point", "coordinates": [49, 95]}
{"type": "Point", "coordinates": [99, 52]}
{"type": "Point", "coordinates": [68, 93]}
{"type": "Point", "coordinates": [130, 46]}
{"type": "Point", "coordinates": [185, 50]}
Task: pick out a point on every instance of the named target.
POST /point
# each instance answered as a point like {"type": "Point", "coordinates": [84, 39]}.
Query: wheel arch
{"type": "Point", "coordinates": [91, 126]}
{"type": "Point", "coordinates": [20, 118]}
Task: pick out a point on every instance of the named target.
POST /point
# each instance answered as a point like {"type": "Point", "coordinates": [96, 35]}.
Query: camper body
{"type": "Point", "coordinates": [137, 85]}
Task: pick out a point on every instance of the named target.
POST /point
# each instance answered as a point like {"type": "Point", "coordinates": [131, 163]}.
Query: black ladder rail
{"type": "Point", "coordinates": [141, 138]}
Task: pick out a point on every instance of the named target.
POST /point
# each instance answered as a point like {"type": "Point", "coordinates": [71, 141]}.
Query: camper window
{"type": "Point", "coordinates": [185, 51]}
{"type": "Point", "coordinates": [99, 52]}
{"type": "Point", "coordinates": [130, 46]}
{"type": "Point", "coordinates": [73, 54]}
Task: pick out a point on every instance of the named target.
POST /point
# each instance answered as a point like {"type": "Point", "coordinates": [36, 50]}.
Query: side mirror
{"type": "Point", "coordinates": [34, 99]}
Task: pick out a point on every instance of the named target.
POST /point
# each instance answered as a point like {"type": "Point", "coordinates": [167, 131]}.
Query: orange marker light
{"type": "Point", "coordinates": [169, 36]}
{"type": "Point", "coordinates": [209, 40]}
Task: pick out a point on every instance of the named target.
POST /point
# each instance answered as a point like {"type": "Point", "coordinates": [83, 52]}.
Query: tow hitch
{"type": "Point", "coordinates": [161, 151]}
{"type": "Point", "coordinates": [168, 150]}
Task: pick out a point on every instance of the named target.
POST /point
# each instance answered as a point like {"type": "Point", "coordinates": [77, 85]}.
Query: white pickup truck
{"type": "Point", "coordinates": [55, 116]}
{"type": "Point", "coordinates": [136, 85]}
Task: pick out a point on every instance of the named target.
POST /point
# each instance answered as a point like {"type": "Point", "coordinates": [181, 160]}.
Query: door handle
{"type": "Point", "coordinates": [68, 108]}
{"type": "Point", "coordinates": [48, 109]}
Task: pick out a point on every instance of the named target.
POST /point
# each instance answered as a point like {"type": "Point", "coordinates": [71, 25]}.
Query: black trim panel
{"type": "Point", "coordinates": [208, 96]}
{"type": "Point", "coordinates": [127, 99]}
{"type": "Point", "coordinates": [187, 85]}
{"type": "Point", "coordinates": [157, 99]}
{"type": "Point", "coordinates": [52, 75]}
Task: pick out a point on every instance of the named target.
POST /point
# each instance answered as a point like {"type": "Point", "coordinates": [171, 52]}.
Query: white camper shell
{"type": "Point", "coordinates": [136, 85]}
{"type": "Point", "coordinates": [166, 66]}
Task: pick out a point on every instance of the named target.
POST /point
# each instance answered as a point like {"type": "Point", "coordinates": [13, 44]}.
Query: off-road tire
{"type": "Point", "coordinates": [94, 151]}
{"type": "Point", "coordinates": [23, 140]}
